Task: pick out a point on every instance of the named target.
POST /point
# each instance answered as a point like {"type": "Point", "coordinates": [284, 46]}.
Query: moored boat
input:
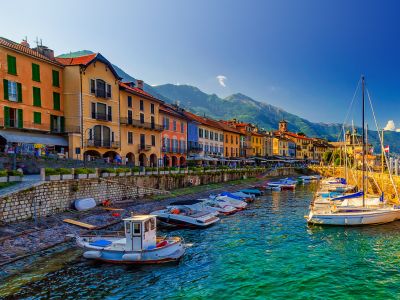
{"type": "Point", "coordinates": [139, 245]}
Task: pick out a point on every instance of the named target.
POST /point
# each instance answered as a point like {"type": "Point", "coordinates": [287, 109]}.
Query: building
{"type": "Point", "coordinates": [320, 146]}
{"type": "Point", "coordinates": [231, 140]}
{"type": "Point", "coordinates": [174, 135]}
{"type": "Point", "coordinates": [257, 143]}
{"type": "Point", "coordinates": [32, 102]}
{"type": "Point", "coordinates": [91, 91]}
{"type": "Point", "coordinates": [140, 125]}
{"type": "Point", "coordinates": [193, 146]}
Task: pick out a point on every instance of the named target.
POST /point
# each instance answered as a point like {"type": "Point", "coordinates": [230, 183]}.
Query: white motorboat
{"type": "Point", "coordinates": [184, 216]}
{"type": "Point", "coordinates": [238, 204]}
{"type": "Point", "coordinates": [210, 205]}
{"type": "Point", "coordinates": [139, 245]}
{"type": "Point", "coordinates": [282, 184]}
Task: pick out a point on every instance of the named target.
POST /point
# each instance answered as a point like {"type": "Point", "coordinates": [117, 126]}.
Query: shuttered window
{"type": "Point", "coordinates": [130, 137]}
{"type": "Point", "coordinates": [37, 117]}
{"type": "Point", "coordinates": [12, 65]}
{"type": "Point", "coordinates": [36, 72]}
{"type": "Point", "coordinates": [109, 113]}
{"type": "Point", "coordinates": [56, 101]}
{"type": "Point", "coordinates": [6, 116]}
{"type": "Point", "coordinates": [153, 140]}
{"type": "Point", "coordinates": [20, 118]}
{"type": "Point", "coordinates": [56, 78]}
{"type": "Point", "coordinates": [12, 90]}
{"type": "Point", "coordinates": [37, 100]}
{"type": "Point", "coordinates": [129, 101]}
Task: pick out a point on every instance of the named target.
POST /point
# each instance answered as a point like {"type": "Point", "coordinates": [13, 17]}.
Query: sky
{"type": "Point", "coordinates": [303, 56]}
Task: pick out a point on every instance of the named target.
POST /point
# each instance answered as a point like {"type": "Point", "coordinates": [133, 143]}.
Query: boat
{"type": "Point", "coordinates": [210, 205]}
{"type": "Point", "coordinates": [308, 179]}
{"type": "Point", "coordinates": [240, 196]}
{"type": "Point", "coordinates": [354, 209]}
{"type": "Point", "coordinates": [138, 245]}
{"type": "Point", "coordinates": [254, 192]}
{"type": "Point", "coordinates": [186, 217]}
{"type": "Point", "coordinates": [282, 184]}
{"type": "Point", "coordinates": [238, 204]}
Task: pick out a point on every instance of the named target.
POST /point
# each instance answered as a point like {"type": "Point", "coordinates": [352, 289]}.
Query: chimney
{"type": "Point", "coordinates": [45, 51]}
{"type": "Point", "coordinates": [139, 84]}
{"type": "Point", "coordinates": [25, 43]}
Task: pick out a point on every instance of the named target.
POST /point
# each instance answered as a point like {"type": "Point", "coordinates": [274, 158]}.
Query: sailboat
{"type": "Point", "coordinates": [354, 209]}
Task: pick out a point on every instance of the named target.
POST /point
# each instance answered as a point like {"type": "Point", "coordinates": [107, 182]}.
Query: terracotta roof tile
{"type": "Point", "coordinates": [26, 50]}
{"type": "Point", "coordinates": [137, 91]}
{"type": "Point", "coordinates": [80, 60]}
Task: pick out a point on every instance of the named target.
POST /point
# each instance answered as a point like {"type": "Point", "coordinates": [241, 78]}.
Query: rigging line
{"type": "Point", "coordinates": [382, 147]}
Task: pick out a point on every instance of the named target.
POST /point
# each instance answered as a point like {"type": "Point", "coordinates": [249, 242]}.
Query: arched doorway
{"type": "Point", "coordinates": [167, 161]}
{"type": "Point", "coordinates": [111, 156]}
{"type": "Point", "coordinates": [142, 160]}
{"type": "Point", "coordinates": [90, 155]}
{"type": "Point", "coordinates": [182, 161]}
{"type": "Point", "coordinates": [153, 160]}
{"type": "Point", "coordinates": [130, 159]}
{"type": "Point", "coordinates": [174, 161]}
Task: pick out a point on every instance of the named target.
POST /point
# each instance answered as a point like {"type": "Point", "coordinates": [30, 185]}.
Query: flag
{"type": "Point", "coordinates": [386, 149]}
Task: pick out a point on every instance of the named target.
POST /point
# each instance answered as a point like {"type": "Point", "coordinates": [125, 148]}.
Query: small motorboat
{"type": "Point", "coordinates": [209, 205]}
{"type": "Point", "coordinates": [254, 192]}
{"type": "Point", "coordinates": [140, 245]}
{"type": "Point", "coordinates": [184, 216]}
{"type": "Point", "coordinates": [220, 205]}
{"type": "Point", "coordinates": [308, 179]}
{"type": "Point", "coordinates": [243, 196]}
{"type": "Point", "coordinates": [238, 204]}
{"type": "Point", "coordinates": [282, 184]}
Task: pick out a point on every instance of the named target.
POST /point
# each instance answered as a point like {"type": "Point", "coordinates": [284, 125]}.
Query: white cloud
{"type": "Point", "coordinates": [390, 126]}
{"type": "Point", "coordinates": [221, 80]}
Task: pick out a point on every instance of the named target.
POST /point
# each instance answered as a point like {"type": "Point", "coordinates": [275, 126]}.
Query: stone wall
{"type": "Point", "coordinates": [57, 196]}
{"type": "Point", "coordinates": [376, 181]}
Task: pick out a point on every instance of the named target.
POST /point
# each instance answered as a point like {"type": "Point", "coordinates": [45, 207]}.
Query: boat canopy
{"type": "Point", "coordinates": [349, 196]}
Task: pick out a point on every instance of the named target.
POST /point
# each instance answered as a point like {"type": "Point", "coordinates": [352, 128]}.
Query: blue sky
{"type": "Point", "coordinates": [303, 56]}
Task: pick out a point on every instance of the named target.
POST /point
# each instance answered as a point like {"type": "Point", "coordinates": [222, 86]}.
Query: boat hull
{"type": "Point", "coordinates": [171, 222]}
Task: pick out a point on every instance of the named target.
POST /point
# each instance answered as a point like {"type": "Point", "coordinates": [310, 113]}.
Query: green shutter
{"type": "Point", "coordinates": [35, 72]}
{"type": "Point", "coordinates": [6, 116]}
{"type": "Point", "coordinates": [56, 78]}
{"type": "Point", "coordinates": [20, 118]}
{"type": "Point", "coordinates": [62, 124]}
{"type": "Point", "coordinates": [56, 101]}
{"type": "Point", "coordinates": [36, 97]}
{"type": "Point", "coordinates": [12, 65]}
{"type": "Point", "coordinates": [19, 92]}
{"type": "Point", "coordinates": [5, 85]}
{"type": "Point", "coordinates": [37, 117]}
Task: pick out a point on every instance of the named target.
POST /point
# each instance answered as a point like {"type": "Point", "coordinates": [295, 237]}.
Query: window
{"type": "Point", "coordinates": [56, 101]}
{"type": "Point", "coordinates": [231, 139]}
{"type": "Point", "coordinates": [130, 137]}
{"type": "Point", "coordinates": [37, 100]}
{"type": "Point", "coordinates": [182, 127]}
{"type": "Point", "coordinates": [56, 78]}
{"type": "Point", "coordinates": [129, 101]}
{"type": "Point", "coordinates": [12, 91]}
{"type": "Point", "coordinates": [37, 117]}
{"type": "Point", "coordinates": [206, 134]}
{"type": "Point", "coordinates": [109, 113]}
{"type": "Point", "coordinates": [130, 117]}
{"type": "Point", "coordinates": [12, 65]}
{"type": "Point", "coordinates": [152, 108]}
{"type": "Point", "coordinates": [211, 135]}
{"type": "Point", "coordinates": [152, 223]}
{"type": "Point", "coordinates": [35, 72]}
{"type": "Point", "coordinates": [141, 105]}
{"type": "Point", "coordinates": [142, 139]}
{"type": "Point", "coordinates": [166, 123]}
{"type": "Point", "coordinates": [13, 117]}
{"type": "Point", "coordinates": [152, 122]}
{"type": "Point", "coordinates": [153, 140]}
{"type": "Point", "coordinates": [101, 111]}
{"type": "Point", "coordinates": [141, 118]}
{"type": "Point", "coordinates": [216, 136]}
{"type": "Point", "coordinates": [236, 140]}
{"type": "Point", "coordinates": [201, 132]}
{"type": "Point", "coordinates": [136, 228]}
{"type": "Point", "coordinates": [174, 125]}
{"type": "Point", "coordinates": [226, 138]}
{"type": "Point", "coordinates": [100, 88]}
{"type": "Point", "coordinates": [92, 86]}
{"type": "Point", "coordinates": [108, 90]}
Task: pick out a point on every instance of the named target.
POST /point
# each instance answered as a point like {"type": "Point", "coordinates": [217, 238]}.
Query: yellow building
{"type": "Point", "coordinates": [140, 126]}
{"type": "Point", "coordinates": [91, 90]}
{"type": "Point", "coordinates": [32, 104]}
{"type": "Point", "coordinates": [257, 143]}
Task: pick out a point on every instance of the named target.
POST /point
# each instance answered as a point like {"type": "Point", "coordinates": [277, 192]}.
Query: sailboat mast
{"type": "Point", "coordinates": [363, 139]}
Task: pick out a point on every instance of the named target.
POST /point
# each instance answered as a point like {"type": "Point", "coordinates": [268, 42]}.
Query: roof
{"type": "Point", "coordinates": [27, 51]}
{"type": "Point", "coordinates": [138, 92]}
{"type": "Point", "coordinates": [204, 121]}
{"type": "Point", "coordinates": [172, 110]}
{"type": "Point", "coordinates": [294, 135]}
{"type": "Point", "coordinates": [139, 218]}
{"type": "Point", "coordinates": [86, 60]}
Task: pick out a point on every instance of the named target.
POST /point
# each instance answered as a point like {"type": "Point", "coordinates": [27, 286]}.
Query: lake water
{"type": "Point", "coordinates": [267, 251]}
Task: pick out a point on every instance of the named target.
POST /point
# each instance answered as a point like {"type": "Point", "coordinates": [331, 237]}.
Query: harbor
{"type": "Point", "coordinates": [265, 250]}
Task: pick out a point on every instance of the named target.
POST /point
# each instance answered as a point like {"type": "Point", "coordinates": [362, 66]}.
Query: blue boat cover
{"type": "Point", "coordinates": [354, 195]}
{"type": "Point", "coordinates": [251, 191]}
{"type": "Point", "coordinates": [100, 243]}
{"type": "Point", "coordinates": [231, 195]}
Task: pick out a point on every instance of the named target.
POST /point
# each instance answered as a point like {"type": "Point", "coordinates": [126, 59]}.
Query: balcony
{"type": "Point", "coordinates": [102, 144]}
{"type": "Point", "coordinates": [139, 124]}
{"type": "Point", "coordinates": [102, 116]}
{"type": "Point", "coordinates": [143, 147]}
{"type": "Point", "coordinates": [194, 147]}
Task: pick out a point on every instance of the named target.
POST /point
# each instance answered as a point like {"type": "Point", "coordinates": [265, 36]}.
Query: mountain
{"type": "Point", "coordinates": [246, 109]}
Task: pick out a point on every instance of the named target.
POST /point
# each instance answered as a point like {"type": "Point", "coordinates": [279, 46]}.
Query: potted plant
{"type": "Point", "coordinates": [14, 176]}
{"type": "Point", "coordinates": [91, 173]}
{"type": "Point", "coordinates": [81, 173]}
{"type": "Point", "coordinates": [121, 171]}
{"type": "Point", "coordinates": [3, 176]}
{"type": "Point", "coordinates": [108, 172]}
{"type": "Point", "coordinates": [65, 173]}
{"type": "Point", "coordinates": [135, 170]}
{"type": "Point", "coordinates": [52, 174]}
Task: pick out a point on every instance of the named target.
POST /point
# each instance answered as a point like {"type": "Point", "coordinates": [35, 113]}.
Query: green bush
{"type": "Point", "coordinates": [3, 173]}
{"type": "Point", "coordinates": [64, 171]}
{"type": "Point", "coordinates": [173, 169]}
{"type": "Point", "coordinates": [81, 171]}
{"type": "Point", "coordinates": [51, 171]}
{"type": "Point", "coordinates": [151, 169]}
{"type": "Point", "coordinates": [122, 170]}
{"type": "Point", "coordinates": [135, 169]}
{"type": "Point", "coordinates": [108, 170]}
{"type": "Point", "coordinates": [14, 173]}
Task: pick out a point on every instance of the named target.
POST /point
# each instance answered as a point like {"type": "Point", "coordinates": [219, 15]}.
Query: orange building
{"type": "Point", "coordinates": [31, 101]}
{"type": "Point", "coordinates": [174, 136]}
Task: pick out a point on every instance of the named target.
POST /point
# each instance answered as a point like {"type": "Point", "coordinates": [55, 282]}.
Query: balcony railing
{"type": "Point", "coordinates": [102, 144]}
{"type": "Point", "coordinates": [194, 147]}
{"type": "Point", "coordinates": [143, 147]}
{"type": "Point", "coordinates": [139, 124]}
{"type": "Point", "coordinates": [101, 116]}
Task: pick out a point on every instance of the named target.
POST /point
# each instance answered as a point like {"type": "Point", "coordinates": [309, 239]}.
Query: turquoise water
{"type": "Point", "coordinates": [266, 251]}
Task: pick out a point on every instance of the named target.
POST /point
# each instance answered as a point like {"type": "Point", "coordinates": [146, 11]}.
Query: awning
{"type": "Point", "coordinates": [33, 138]}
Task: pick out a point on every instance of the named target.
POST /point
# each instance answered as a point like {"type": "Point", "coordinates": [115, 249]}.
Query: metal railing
{"type": "Point", "coordinates": [143, 147]}
{"type": "Point", "coordinates": [102, 143]}
{"type": "Point", "coordinates": [140, 124]}
{"type": "Point", "coordinates": [102, 116]}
